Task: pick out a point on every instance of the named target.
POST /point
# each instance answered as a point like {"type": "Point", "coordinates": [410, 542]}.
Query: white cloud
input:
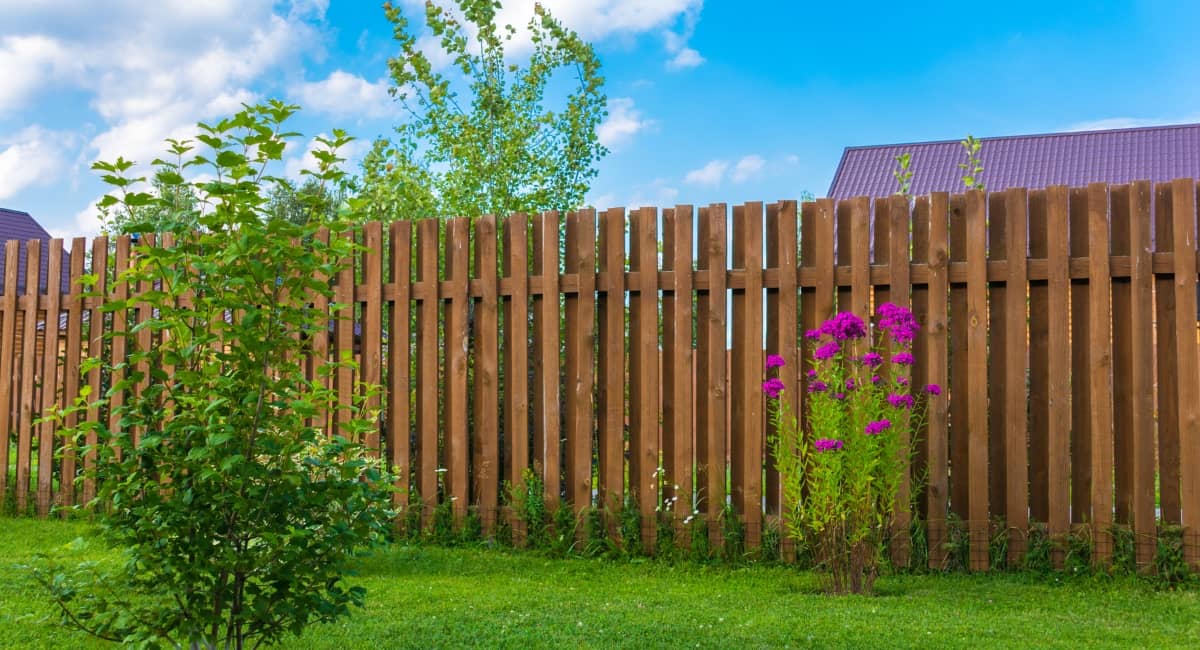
{"type": "Point", "coordinates": [31, 156]}
{"type": "Point", "coordinates": [709, 174]}
{"type": "Point", "coordinates": [1130, 122]}
{"type": "Point", "coordinates": [28, 62]}
{"type": "Point", "coordinates": [623, 122]}
{"type": "Point", "coordinates": [677, 43]}
{"type": "Point", "coordinates": [343, 93]}
{"type": "Point", "coordinates": [656, 193]}
{"type": "Point", "coordinates": [747, 168]}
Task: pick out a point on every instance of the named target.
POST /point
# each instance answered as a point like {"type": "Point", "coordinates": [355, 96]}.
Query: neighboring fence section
{"type": "Point", "coordinates": [596, 351]}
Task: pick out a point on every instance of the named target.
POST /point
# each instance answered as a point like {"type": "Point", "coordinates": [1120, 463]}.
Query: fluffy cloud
{"type": "Point", "coordinates": [709, 174]}
{"type": "Point", "coordinates": [342, 93]}
{"type": "Point", "coordinates": [623, 122]}
{"type": "Point", "coordinates": [747, 168]}
{"type": "Point", "coordinates": [677, 43]}
{"type": "Point", "coordinates": [31, 156]}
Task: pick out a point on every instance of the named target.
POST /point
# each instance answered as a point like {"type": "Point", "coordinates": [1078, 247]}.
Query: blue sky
{"type": "Point", "coordinates": [708, 101]}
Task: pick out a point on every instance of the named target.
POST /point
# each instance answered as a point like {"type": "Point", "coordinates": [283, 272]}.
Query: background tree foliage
{"type": "Point", "coordinates": [236, 514]}
{"type": "Point", "coordinates": [479, 137]}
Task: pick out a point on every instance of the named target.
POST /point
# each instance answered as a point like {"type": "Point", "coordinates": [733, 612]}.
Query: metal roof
{"type": "Point", "coordinates": [1155, 153]}
{"type": "Point", "coordinates": [21, 226]}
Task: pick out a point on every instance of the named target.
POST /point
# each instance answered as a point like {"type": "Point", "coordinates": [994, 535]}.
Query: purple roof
{"type": "Point", "coordinates": [1156, 153]}
{"type": "Point", "coordinates": [21, 226]}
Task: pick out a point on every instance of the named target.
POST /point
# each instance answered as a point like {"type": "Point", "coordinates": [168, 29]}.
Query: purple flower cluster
{"type": "Point", "coordinates": [903, 358]}
{"type": "Point", "coordinates": [772, 387]}
{"type": "Point", "coordinates": [933, 389]}
{"type": "Point", "coordinates": [839, 396]}
{"type": "Point", "coordinates": [872, 360]}
{"type": "Point", "coordinates": [775, 361]}
{"type": "Point", "coordinates": [812, 374]}
{"type": "Point", "coordinates": [878, 426]}
{"type": "Point", "coordinates": [827, 444]}
{"type": "Point", "coordinates": [900, 401]}
{"type": "Point", "coordinates": [902, 380]}
{"type": "Point", "coordinates": [850, 385]}
{"type": "Point", "coordinates": [818, 387]}
{"type": "Point", "coordinates": [827, 351]}
{"type": "Point", "coordinates": [844, 326]}
{"type": "Point", "coordinates": [898, 322]}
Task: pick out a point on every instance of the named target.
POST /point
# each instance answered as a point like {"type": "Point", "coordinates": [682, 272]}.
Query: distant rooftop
{"type": "Point", "coordinates": [1154, 153]}
{"type": "Point", "coordinates": [21, 226]}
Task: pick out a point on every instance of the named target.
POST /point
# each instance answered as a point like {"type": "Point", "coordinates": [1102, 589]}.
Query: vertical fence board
{"type": "Point", "coordinates": [1016, 366]}
{"type": "Point", "coordinates": [427, 364]}
{"type": "Point", "coordinates": [958, 446]}
{"type": "Point", "coordinates": [900, 284]}
{"type": "Point", "coordinates": [677, 367]}
{"type": "Point", "coordinates": [546, 395]}
{"type": "Point", "coordinates": [319, 359]}
{"type": "Point", "coordinates": [1081, 438]}
{"type": "Point", "coordinates": [143, 339]}
{"type": "Point", "coordinates": [399, 357]}
{"type": "Point", "coordinates": [997, 358]}
{"type": "Point", "coordinates": [643, 369]}
{"type": "Point", "coordinates": [781, 324]}
{"type": "Point", "coordinates": [711, 369]}
{"type": "Point", "coordinates": [860, 256]}
{"type": "Point", "coordinates": [1167, 345]}
{"type": "Point", "coordinates": [50, 334]}
{"type": "Point", "coordinates": [456, 453]}
{"type": "Point", "coordinates": [937, 360]}
{"type": "Point", "coordinates": [1039, 366]}
{"type": "Point", "coordinates": [610, 448]}
{"type": "Point", "coordinates": [976, 384]}
{"type": "Point", "coordinates": [95, 348]}
{"type": "Point", "coordinates": [516, 352]}
{"type": "Point", "coordinates": [486, 407]}
{"type": "Point", "coordinates": [73, 352]}
{"type": "Point", "coordinates": [919, 471]}
{"type": "Point", "coordinates": [343, 340]}
{"type": "Point", "coordinates": [1058, 378]}
{"type": "Point", "coordinates": [747, 430]}
{"type": "Point", "coordinates": [372, 324]}
{"type": "Point", "coordinates": [1100, 372]}
{"type": "Point", "coordinates": [8, 330]}
{"type": "Point", "coordinates": [33, 249]}
{"type": "Point", "coordinates": [1140, 375]}
{"type": "Point", "coordinates": [581, 322]}
{"type": "Point", "coordinates": [1183, 212]}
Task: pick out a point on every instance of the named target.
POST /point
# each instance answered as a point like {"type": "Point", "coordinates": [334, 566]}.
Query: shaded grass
{"type": "Point", "coordinates": [422, 597]}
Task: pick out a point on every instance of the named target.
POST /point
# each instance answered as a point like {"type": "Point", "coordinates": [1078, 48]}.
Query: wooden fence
{"type": "Point", "coordinates": [1062, 327]}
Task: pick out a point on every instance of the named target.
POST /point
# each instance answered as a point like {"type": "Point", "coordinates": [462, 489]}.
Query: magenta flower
{"type": "Point", "coordinates": [772, 387]}
{"type": "Point", "coordinates": [904, 359]}
{"type": "Point", "coordinates": [875, 379]}
{"type": "Point", "coordinates": [812, 374]}
{"type": "Point", "coordinates": [898, 322]}
{"type": "Point", "coordinates": [900, 401]}
{"type": "Point", "coordinates": [775, 361]}
{"type": "Point", "coordinates": [812, 335]}
{"type": "Point", "coordinates": [827, 444]}
{"type": "Point", "coordinates": [827, 351]}
{"type": "Point", "coordinates": [850, 385]}
{"type": "Point", "coordinates": [902, 380]}
{"type": "Point", "coordinates": [872, 360]}
{"type": "Point", "coordinates": [818, 387]}
{"type": "Point", "coordinates": [878, 426]}
{"type": "Point", "coordinates": [844, 326]}
{"type": "Point", "coordinates": [839, 396]}
{"type": "Point", "coordinates": [933, 389]}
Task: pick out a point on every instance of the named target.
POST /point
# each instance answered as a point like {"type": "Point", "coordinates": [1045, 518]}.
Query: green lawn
{"type": "Point", "coordinates": [429, 597]}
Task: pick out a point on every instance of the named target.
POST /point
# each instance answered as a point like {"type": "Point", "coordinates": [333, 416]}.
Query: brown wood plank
{"type": "Point", "coordinates": [399, 371]}
{"type": "Point", "coordinates": [1166, 348]}
{"type": "Point", "coordinates": [1183, 209]}
{"type": "Point", "coordinates": [643, 369]}
{"type": "Point", "coordinates": [711, 321]}
{"type": "Point", "coordinates": [343, 341]}
{"type": "Point", "coordinates": [8, 330]}
{"type": "Point", "coordinates": [1058, 378]}
{"type": "Point", "coordinates": [428, 426]}
{"type": "Point", "coordinates": [823, 259]}
{"type": "Point", "coordinates": [1123, 360]}
{"type": "Point", "coordinates": [997, 358]}
{"type": "Point", "coordinates": [1081, 438]}
{"type": "Point", "coordinates": [119, 344]}
{"type": "Point", "coordinates": [95, 349]}
{"type": "Point", "coordinates": [33, 250]}
{"type": "Point", "coordinates": [372, 323]}
{"type": "Point", "coordinates": [844, 258]}
{"type": "Point", "coordinates": [1100, 373]}
{"type": "Point", "coordinates": [936, 333]}
{"type": "Point", "coordinates": [547, 393]}
{"type": "Point", "coordinates": [611, 417]}
{"type": "Point", "coordinates": [919, 471]}
{"type": "Point", "coordinates": [860, 254]}
{"type": "Point", "coordinates": [1016, 366]}
{"type": "Point", "coordinates": [73, 353]}
{"type": "Point", "coordinates": [581, 337]}
{"type": "Point", "coordinates": [456, 479]}
{"type": "Point", "coordinates": [899, 286]}
{"type": "Point", "coordinates": [782, 324]}
{"type": "Point", "coordinates": [1141, 374]}
{"type": "Point", "coordinates": [677, 369]}
{"type": "Point", "coordinates": [958, 439]}
{"type": "Point", "coordinates": [319, 358]}
{"type": "Point", "coordinates": [746, 442]}
{"type": "Point", "coordinates": [486, 406]}
{"type": "Point", "coordinates": [50, 346]}
{"type": "Point", "coordinates": [143, 339]}
{"type": "Point", "coordinates": [1039, 365]}
{"type": "Point", "coordinates": [976, 384]}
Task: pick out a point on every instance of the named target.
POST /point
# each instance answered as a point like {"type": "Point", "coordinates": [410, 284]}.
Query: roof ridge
{"type": "Point", "coordinates": [1059, 134]}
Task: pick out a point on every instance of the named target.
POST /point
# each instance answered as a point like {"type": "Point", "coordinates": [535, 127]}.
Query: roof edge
{"type": "Point", "coordinates": [1058, 134]}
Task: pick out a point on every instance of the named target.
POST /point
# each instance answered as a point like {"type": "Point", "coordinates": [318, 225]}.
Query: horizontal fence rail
{"type": "Point", "coordinates": [620, 356]}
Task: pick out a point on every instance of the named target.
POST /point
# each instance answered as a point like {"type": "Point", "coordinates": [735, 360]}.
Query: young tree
{"type": "Point", "coordinates": [479, 138]}
{"type": "Point", "coordinates": [236, 514]}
